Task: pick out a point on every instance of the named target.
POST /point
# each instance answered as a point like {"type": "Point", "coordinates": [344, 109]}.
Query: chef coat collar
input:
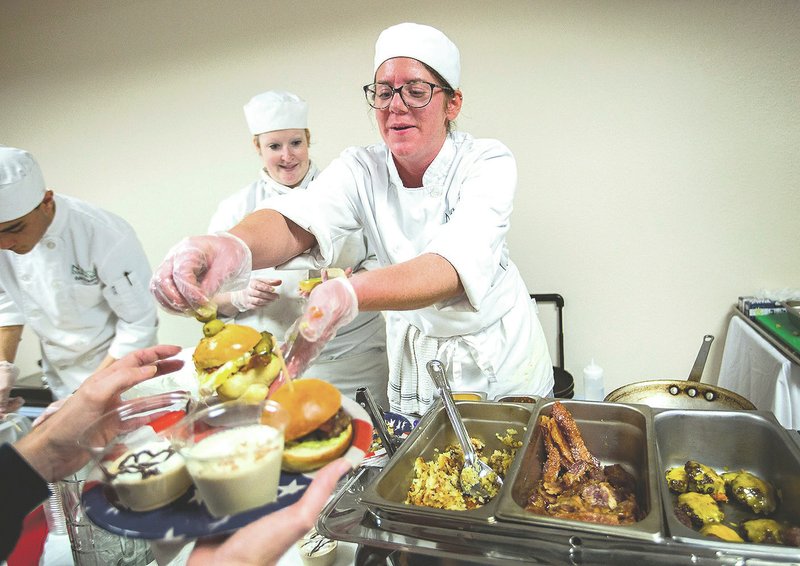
{"type": "Point", "coordinates": [60, 219]}
{"type": "Point", "coordinates": [434, 177]}
{"type": "Point", "coordinates": [283, 189]}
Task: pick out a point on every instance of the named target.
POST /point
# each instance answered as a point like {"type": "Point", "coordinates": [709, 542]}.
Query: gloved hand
{"type": "Point", "coordinates": [258, 293]}
{"type": "Point", "coordinates": [199, 267]}
{"type": "Point", "coordinates": [8, 376]}
{"type": "Point", "coordinates": [331, 305]}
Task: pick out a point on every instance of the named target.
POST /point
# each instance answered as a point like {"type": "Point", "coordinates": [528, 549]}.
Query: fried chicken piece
{"type": "Point", "coordinates": [569, 427]}
{"type": "Point", "coordinates": [554, 432]}
{"type": "Point", "coordinates": [552, 463]}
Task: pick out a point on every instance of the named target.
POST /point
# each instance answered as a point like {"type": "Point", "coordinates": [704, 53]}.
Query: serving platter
{"type": "Point", "coordinates": [188, 518]}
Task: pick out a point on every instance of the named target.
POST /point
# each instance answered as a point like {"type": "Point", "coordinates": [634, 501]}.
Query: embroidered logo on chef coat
{"type": "Point", "coordinates": [448, 214]}
{"type": "Point", "coordinates": [84, 276]}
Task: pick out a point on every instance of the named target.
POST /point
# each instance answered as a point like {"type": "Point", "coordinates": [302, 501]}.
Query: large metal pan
{"type": "Point", "coordinates": [678, 394]}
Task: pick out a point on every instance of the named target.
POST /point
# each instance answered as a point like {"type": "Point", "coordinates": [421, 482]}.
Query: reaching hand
{"type": "Point", "coordinates": [8, 376]}
{"type": "Point", "coordinates": [266, 540]}
{"type": "Point", "coordinates": [51, 447]}
{"type": "Point", "coordinates": [259, 292]}
{"type": "Point", "coordinates": [199, 267]}
{"type": "Point", "coordinates": [331, 305]}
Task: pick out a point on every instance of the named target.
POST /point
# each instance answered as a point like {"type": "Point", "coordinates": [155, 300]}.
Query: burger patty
{"type": "Point", "coordinates": [330, 428]}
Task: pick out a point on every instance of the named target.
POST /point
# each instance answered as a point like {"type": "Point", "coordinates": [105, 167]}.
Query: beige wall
{"type": "Point", "coordinates": [657, 142]}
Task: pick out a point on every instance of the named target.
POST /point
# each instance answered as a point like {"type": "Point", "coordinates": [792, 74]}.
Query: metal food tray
{"type": "Point", "coordinates": [614, 433]}
{"type": "Point", "coordinates": [483, 420]}
{"type": "Point", "coordinates": [383, 541]}
{"type": "Point", "coordinates": [454, 538]}
{"type": "Point", "coordinates": [730, 440]}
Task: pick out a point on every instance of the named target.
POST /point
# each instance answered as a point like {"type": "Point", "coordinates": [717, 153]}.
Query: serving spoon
{"type": "Point", "coordinates": [474, 469]}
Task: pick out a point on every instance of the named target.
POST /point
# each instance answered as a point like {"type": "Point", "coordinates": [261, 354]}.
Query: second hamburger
{"type": "Point", "coordinates": [319, 429]}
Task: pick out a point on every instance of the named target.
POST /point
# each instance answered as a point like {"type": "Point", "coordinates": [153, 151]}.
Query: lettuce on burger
{"type": "Point", "coordinates": [319, 429]}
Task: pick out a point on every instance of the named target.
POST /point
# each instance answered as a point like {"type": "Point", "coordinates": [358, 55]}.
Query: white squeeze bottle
{"type": "Point", "coordinates": [593, 389]}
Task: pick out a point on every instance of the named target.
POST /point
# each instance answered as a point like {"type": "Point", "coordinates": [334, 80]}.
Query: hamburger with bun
{"type": "Point", "coordinates": [319, 429]}
{"type": "Point", "coordinates": [235, 361]}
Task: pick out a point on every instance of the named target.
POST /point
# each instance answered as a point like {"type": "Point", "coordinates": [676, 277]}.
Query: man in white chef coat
{"type": "Point", "coordinates": [76, 274]}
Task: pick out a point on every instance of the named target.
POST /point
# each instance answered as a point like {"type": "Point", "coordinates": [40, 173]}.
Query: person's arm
{"type": "Point", "coordinates": [272, 238]}
{"type": "Point", "coordinates": [9, 341]}
{"type": "Point", "coordinates": [10, 337]}
{"type": "Point", "coordinates": [413, 284]}
{"type": "Point", "coordinates": [21, 490]}
{"type": "Point", "coordinates": [266, 540]}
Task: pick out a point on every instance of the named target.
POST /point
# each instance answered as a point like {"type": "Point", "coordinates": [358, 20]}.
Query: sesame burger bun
{"type": "Point", "coordinates": [319, 431]}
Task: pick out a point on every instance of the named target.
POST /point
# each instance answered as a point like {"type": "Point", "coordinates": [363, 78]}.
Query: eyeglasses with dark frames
{"type": "Point", "coordinates": [414, 94]}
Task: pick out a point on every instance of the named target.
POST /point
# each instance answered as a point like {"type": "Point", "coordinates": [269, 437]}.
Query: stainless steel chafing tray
{"type": "Point", "coordinates": [438, 539]}
{"type": "Point", "coordinates": [730, 441]}
{"type": "Point", "coordinates": [386, 495]}
{"type": "Point", "coordinates": [615, 434]}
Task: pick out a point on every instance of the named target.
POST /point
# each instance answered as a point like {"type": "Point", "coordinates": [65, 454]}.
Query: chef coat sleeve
{"type": "Point", "coordinates": [22, 489]}
{"type": "Point", "coordinates": [10, 313]}
{"type": "Point", "coordinates": [229, 213]}
{"type": "Point", "coordinates": [473, 238]}
{"type": "Point", "coordinates": [125, 274]}
{"type": "Point", "coordinates": [327, 208]}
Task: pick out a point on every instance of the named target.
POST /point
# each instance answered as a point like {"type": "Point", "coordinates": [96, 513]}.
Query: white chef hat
{"type": "Point", "coordinates": [422, 43]}
{"type": "Point", "coordinates": [276, 110]}
{"type": "Point", "coordinates": [21, 183]}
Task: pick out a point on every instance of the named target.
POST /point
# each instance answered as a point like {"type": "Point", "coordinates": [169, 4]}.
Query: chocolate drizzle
{"type": "Point", "coordinates": [131, 464]}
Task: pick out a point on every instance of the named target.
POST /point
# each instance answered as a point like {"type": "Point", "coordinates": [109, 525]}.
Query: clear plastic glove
{"type": "Point", "coordinates": [331, 305]}
{"type": "Point", "coordinates": [259, 292]}
{"type": "Point", "coordinates": [199, 267]}
{"type": "Point", "coordinates": [8, 377]}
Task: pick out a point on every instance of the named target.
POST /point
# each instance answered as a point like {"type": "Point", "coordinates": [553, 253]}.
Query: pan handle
{"type": "Point", "coordinates": [700, 361]}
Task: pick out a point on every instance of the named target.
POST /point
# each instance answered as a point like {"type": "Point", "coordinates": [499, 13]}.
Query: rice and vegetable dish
{"type": "Point", "coordinates": [437, 484]}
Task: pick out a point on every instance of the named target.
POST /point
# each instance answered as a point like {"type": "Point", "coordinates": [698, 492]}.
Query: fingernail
{"type": "Point", "coordinates": [150, 370]}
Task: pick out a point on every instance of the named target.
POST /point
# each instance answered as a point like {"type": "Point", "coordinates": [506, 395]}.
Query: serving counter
{"type": "Point", "coordinates": [363, 512]}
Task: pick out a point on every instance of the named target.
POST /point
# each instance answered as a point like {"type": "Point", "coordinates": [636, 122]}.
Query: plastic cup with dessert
{"type": "Point", "coordinates": [135, 457]}
{"type": "Point", "coordinates": [233, 452]}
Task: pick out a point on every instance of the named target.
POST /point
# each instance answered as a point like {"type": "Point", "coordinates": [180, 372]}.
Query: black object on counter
{"type": "Point", "coordinates": [564, 382]}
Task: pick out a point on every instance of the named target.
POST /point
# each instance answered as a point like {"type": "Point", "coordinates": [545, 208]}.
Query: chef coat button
{"type": "Point", "coordinates": [25, 277]}
{"type": "Point", "coordinates": [50, 245]}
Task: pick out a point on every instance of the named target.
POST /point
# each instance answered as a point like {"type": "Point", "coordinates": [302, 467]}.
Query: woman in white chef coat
{"type": "Point", "coordinates": [271, 301]}
{"type": "Point", "coordinates": [435, 205]}
{"type": "Point", "coordinates": [76, 274]}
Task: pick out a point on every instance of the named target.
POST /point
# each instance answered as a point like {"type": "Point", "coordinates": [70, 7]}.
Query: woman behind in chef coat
{"type": "Point", "coordinates": [271, 301]}
{"type": "Point", "coordinates": [435, 205]}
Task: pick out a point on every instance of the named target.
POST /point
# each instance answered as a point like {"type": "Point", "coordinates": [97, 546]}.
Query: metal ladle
{"type": "Point", "coordinates": [470, 482]}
